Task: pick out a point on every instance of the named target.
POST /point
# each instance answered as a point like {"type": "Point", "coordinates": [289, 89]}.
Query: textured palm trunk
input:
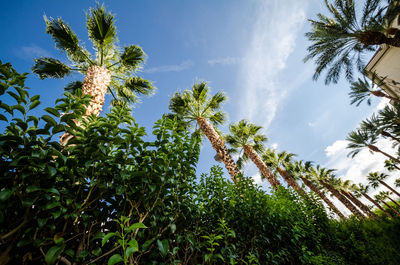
{"type": "Point", "coordinates": [376, 149]}
{"type": "Point", "coordinates": [391, 208]}
{"type": "Point", "coordinates": [393, 201]}
{"type": "Point", "coordinates": [370, 37]}
{"type": "Point", "coordinates": [343, 199]}
{"type": "Point", "coordinates": [377, 205]}
{"type": "Point", "coordinates": [315, 189]}
{"type": "Point", "coordinates": [96, 82]}
{"type": "Point", "coordinates": [291, 181]}
{"type": "Point", "coordinates": [261, 166]}
{"type": "Point", "coordinates": [219, 146]}
{"type": "Point", "coordinates": [360, 205]}
{"type": "Point", "coordinates": [390, 188]}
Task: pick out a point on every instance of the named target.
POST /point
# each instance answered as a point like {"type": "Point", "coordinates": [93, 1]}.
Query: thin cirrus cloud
{"type": "Point", "coordinates": [225, 61]}
{"type": "Point", "coordinates": [276, 26]}
{"type": "Point", "coordinates": [32, 51]}
{"type": "Point", "coordinates": [170, 68]}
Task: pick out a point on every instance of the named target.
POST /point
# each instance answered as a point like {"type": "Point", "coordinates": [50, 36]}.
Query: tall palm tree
{"type": "Point", "coordinates": [361, 189]}
{"type": "Point", "coordinates": [323, 175]}
{"type": "Point", "coordinates": [375, 126]}
{"type": "Point", "coordinates": [345, 187]}
{"type": "Point", "coordinates": [340, 40]}
{"type": "Point", "coordinates": [376, 178]}
{"type": "Point", "coordinates": [305, 173]}
{"type": "Point", "coordinates": [245, 139]}
{"type": "Point", "coordinates": [108, 70]}
{"type": "Point", "coordinates": [196, 105]}
{"type": "Point", "coordinates": [363, 89]}
{"type": "Point", "coordinates": [279, 162]}
{"type": "Point", "coordinates": [360, 139]}
{"type": "Point", "coordinates": [381, 198]}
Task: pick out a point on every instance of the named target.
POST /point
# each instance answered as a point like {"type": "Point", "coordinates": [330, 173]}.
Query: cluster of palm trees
{"type": "Point", "coordinates": [245, 139]}
{"type": "Point", "coordinates": [113, 70]}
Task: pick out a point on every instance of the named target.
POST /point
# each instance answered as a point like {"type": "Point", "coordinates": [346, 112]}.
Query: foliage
{"type": "Point", "coordinates": [113, 197]}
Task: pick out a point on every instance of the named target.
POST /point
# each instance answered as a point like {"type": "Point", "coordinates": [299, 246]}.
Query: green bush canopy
{"type": "Point", "coordinates": [110, 197]}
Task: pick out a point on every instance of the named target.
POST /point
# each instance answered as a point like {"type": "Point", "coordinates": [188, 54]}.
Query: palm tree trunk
{"type": "Point", "coordinates": [359, 204]}
{"type": "Point", "coordinates": [291, 181]}
{"type": "Point", "coordinates": [315, 189]}
{"type": "Point", "coordinates": [393, 201]}
{"type": "Point", "coordinates": [96, 82]}
{"type": "Point", "coordinates": [376, 149]}
{"type": "Point", "coordinates": [391, 208]}
{"type": "Point", "coordinates": [219, 146]}
{"type": "Point", "coordinates": [370, 37]}
{"type": "Point", "coordinates": [261, 166]}
{"type": "Point", "coordinates": [380, 93]}
{"type": "Point", "coordinates": [390, 188]}
{"type": "Point", "coordinates": [343, 199]}
{"type": "Point", "coordinates": [377, 205]}
{"type": "Point", "coordinates": [386, 134]}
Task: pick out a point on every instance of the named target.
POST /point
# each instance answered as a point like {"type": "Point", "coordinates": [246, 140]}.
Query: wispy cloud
{"type": "Point", "coordinates": [170, 68]}
{"type": "Point", "coordinates": [273, 40]}
{"type": "Point", "coordinates": [225, 61]}
{"type": "Point", "coordinates": [32, 51]}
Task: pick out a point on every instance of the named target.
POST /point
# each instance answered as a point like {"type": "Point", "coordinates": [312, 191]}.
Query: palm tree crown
{"type": "Point", "coordinates": [340, 40]}
{"type": "Point", "coordinates": [102, 33]}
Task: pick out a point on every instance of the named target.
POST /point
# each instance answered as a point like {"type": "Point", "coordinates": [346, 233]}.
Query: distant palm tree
{"type": "Point", "coordinates": [381, 198]}
{"type": "Point", "coordinates": [246, 137]}
{"type": "Point", "coordinates": [323, 176]}
{"type": "Point", "coordinates": [305, 172]}
{"type": "Point", "coordinates": [376, 178]}
{"type": "Point", "coordinates": [196, 105]}
{"type": "Point", "coordinates": [361, 189]}
{"type": "Point", "coordinates": [346, 188]}
{"type": "Point", "coordinates": [375, 126]}
{"type": "Point", "coordinates": [108, 70]}
{"type": "Point", "coordinates": [279, 161]}
{"type": "Point", "coordinates": [362, 90]}
{"type": "Point", "coordinates": [360, 139]}
{"type": "Point", "coordinates": [340, 40]}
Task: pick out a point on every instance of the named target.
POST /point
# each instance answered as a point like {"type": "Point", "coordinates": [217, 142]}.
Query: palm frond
{"type": "Point", "coordinates": [132, 57]}
{"type": "Point", "coordinates": [100, 25]}
{"type": "Point", "coordinates": [139, 85]}
{"type": "Point", "coordinates": [50, 68]}
{"type": "Point", "coordinates": [73, 86]}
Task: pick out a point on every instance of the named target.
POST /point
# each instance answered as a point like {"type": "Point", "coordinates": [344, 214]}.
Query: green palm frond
{"type": "Point", "coordinates": [100, 25]}
{"type": "Point", "coordinates": [360, 91]}
{"type": "Point", "coordinates": [132, 57]}
{"type": "Point", "coordinates": [217, 118]}
{"type": "Point", "coordinates": [50, 68]}
{"type": "Point", "coordinates": [139, 85]}
{"type": "Point", "coordinates": [73, 86]}
{"type": "Point", "coordinates": [358, 140]}
{"type": "Point", "coordinates": [66, 39]}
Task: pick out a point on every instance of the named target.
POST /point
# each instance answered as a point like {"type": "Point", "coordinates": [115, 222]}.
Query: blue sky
{"type": "Point", "coordinates": [252, 50]}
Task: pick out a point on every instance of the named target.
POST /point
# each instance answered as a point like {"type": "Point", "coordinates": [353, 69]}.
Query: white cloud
{"type": "Point", "coordinates": [274, 146]}
{"type": "Point", "coordinates": [382, 104]}
{"type": "Point", "coordinates": [32, 51]}
{"type": "Point", "coordinates": [170, 68]}
{"type": "Point", "coordinates": [257, 179]}
{"type": "Point", "coordinates": [272, 41]}
{"type": "Point", "coordinates": [225, 61]}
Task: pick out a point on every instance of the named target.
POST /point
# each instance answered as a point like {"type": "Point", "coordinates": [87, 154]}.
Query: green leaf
{"type": "Point", "coordinates": [107, 237]}
{"type": "Point", "coordinates": [207, 257]}
{"type": "Point", "coordinates": [173, 228]}
{"type": "Point", "coordinates": [19, 108]}
{"type": "Point", "coordinates": [147, 244]}
{"type": "Point", "coordinates": [5, 194]}
{"type": "Point", "coordinates": [35, 97]}
{"type": "Point", "coordinates": [3, 118]}
{"type": "Point", "coordinates": [34, 104]}
{"type": "Point", "coordinates": [115, 259]}
{"type": "Point", "coordinates": [53, 253]}
{"type": "Point", "coordinates": [32, 188]}
{"type": "Point", "coordinates": [52, 111]}
{"type": "Point", "coordinates": [133, 247]}
{"type": "Point", "coordinates": [49, 119]}
{"type": "Point", "coordinates": [136, 226]}
{"type": "Point", "coordinates": [163, 247]}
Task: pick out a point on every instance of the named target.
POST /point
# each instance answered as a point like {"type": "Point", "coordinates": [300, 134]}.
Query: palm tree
{"type": "Point", "coordinates": [246, 137]}
{"type": "Point", "coordinates": [279, 162]}
{"type": "Point", "coordinates": [340, 40]}
{"type": "Point", "coordinates": [345, 187]}
{"type": "Point", "coordinates": [361, 189]}
{"type": "Point", "coordinates": [360, 139]}
{"type": "Point", "coordinates": [108, 70]}
{"type": "Point", "coordinates": [381, 198]}
{"type": "Point", "coordinates": [304, 173]}
{"type": "Point", "coordinates": [195, 105]}
{"type": "Point", "coordinates": [362, 90]}
{"type": "Point", "coordinates": [375, 126]}
{"type": "Point", "coordinates": [323, 176]}
{"type": "Point", "coordinates": [375, 179]}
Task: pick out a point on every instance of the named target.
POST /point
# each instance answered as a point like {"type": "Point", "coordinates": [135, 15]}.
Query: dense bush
{"type": "Point", "coordinates": [112, 197]}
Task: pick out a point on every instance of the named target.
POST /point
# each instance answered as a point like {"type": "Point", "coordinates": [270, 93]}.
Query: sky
{"type": "Point", "coordinates": [252, 50]}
